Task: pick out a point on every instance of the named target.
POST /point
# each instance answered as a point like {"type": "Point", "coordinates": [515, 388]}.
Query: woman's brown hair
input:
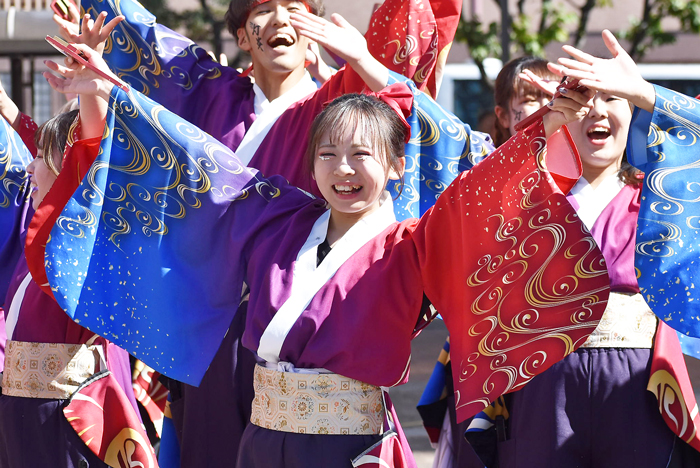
{"type": "Point", "coordinates": [51, 139]}
{"type": "Point", "coordinates": [509, 85]}
{"type": "Point", "coordinates": [381, 126]}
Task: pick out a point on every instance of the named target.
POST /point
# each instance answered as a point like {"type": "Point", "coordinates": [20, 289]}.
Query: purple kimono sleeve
{"type": "Point", "coordinates": [150, 252]}
{"type": "Point", "coordinates": [177, 73]}
{"type": "Point", "coordinates": [517, 278]}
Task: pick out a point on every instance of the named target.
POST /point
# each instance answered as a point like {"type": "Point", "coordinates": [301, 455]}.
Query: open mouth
{"type": "Point", "coordinates": [347, 189]}
{"type": "Point", "coordinates": [598, 133]}
{"type": "Point", "coordinates": [280, 40]}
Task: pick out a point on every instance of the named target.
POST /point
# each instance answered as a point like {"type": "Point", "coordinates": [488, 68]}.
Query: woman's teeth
{"type": "Point", "coordinates": [347, 188]}
{"type": "Point", "coordinates": [598, 133]}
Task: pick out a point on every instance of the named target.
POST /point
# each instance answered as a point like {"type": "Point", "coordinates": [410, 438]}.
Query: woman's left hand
{"type": "Point", "coordinates": [78, 79]}
{"type": "Point", "coordinates": [569, 106]}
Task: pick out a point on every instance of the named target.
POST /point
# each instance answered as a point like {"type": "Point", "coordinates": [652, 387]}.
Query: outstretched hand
{"type": "Point", "coordinates": [338, 36]}
{"type": "Point", "coordinates": [549, 87]}
{"type": "Point", "coordinates": [94, 33]}
{"type": "Point", "coordinates": [342, 39]}
{"type": "Point", "coordinates": [77, 79]}
{"type": "Point", "coordinates": [617, 76]}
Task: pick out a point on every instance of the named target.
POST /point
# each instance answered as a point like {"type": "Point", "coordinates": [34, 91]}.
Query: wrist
{"type": "Point", "coordinates": [647, 97]}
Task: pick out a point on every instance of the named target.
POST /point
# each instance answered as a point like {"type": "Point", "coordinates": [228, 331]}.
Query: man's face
{"type": "Point", "coordinates": [274, 45]}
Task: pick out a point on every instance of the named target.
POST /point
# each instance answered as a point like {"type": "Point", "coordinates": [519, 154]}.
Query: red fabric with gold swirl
{"type": "Point", "coordinates": [670, 384]}
{"type": "Point", "coordinates": [150, 393]}
{"type": "Point", "coordinates": [102, 416]}
{"type": "Point", "coordinates": [533, 284]}
{"type": "Point", "coordinates": [408, 37]}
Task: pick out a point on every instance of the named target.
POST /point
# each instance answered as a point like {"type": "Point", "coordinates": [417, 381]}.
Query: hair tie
{"type": "Point", "coordinates": [399, 97]}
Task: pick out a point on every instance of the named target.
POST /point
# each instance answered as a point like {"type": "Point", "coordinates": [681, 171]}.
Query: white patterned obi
{"type": "Point", "coordinates": [315, 403]}
{"type": "Point", "coordinates": [47, 370]}
{"type": "Point", "coordinates": [628, 322]}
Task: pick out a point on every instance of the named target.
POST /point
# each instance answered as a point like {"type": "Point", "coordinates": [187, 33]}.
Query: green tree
{"type": "Point", "coordinates": [484, 40]}
{"type": "Point", "coordinates": [204, 24]}
{"type": "Point", "coordinates": [646, 32]}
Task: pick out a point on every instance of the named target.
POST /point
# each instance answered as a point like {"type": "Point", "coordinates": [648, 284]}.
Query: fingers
{"type": "Point", "coordinates": [311, 26]}
{"type": "Point", "coordinates": [109, 27]}
{"type": "Point", "coordinates": [579, 55]}
{"type": "Point", "coordinates": [570, 64]}
{"type": "Point", "coordinates": [68, 30]}
{"type": "Point", "coordinates": [73, 13]}
{"type": "Point", "coordinates": [611, 43]}
{"type": "Point", "coordinates": [340, 21]}
{"type": "Point", "coordinates": [556, 69]}
{"type": "Point", "coordinates": [548, 87]}
{"type": "Point", "coordinates": [64, 71]}
{"type": "Point", "coordinates": [59, 84]}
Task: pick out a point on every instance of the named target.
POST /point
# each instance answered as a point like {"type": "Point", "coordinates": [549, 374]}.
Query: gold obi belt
{"type": "Point", "coordinates": [628, 322]}
{"type": "Point", "coordinates": [47, 370]}
{"type": "Point", "coordinates": [315, 403]}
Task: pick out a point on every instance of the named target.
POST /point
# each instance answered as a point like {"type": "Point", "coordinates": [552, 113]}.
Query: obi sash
{"type": "Point", "coordinates": [628, 322]}
{"type": "Point", "coordinates": [316, 403]}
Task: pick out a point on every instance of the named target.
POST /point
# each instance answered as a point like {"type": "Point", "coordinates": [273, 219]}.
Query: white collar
{"type": "Point", "coordinates": [592, 201]}
{"type": "Point", "coordinates": [267, 113]}
{"type": "Point", "coordinates": [308, 278]}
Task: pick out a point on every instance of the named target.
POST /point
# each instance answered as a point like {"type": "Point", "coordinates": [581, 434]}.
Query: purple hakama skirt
{"type": "Point", "coordinates": [590, 410]}
{"type": "Point", "coordinates": [34, 433]}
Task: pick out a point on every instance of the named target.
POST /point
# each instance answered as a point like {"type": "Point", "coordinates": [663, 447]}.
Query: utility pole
{"type": "Point", "coordinates": [505, 31]}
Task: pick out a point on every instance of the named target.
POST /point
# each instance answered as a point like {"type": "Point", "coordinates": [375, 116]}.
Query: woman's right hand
{"type": "Point", "coordinates": [94, 34]}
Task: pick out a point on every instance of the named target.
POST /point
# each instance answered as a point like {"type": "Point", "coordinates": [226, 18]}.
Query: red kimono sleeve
{"type": "Point", "coordinates": [514, 273]}
{"type": "Point", "coordinates": [79, 156]}
{"type": "Point", "coordinates": [26, 130]}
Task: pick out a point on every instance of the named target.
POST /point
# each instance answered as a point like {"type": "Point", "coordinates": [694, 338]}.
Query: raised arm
{"type": "Point", "coordinates": [173, 210]}
{"type": "Point", "coordinates": [168, 67]}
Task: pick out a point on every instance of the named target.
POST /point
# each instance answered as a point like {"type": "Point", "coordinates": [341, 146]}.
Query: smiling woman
{"type": "Point", "coordinates": [50, 139]}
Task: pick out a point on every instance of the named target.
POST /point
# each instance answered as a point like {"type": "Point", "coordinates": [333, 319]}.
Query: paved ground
{"type": "Point", "coordinates": [426, 348]}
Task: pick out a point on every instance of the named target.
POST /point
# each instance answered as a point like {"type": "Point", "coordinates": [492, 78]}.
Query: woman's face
{"type": "Point", "coordinates": [601, 135]}
{"type": "Point", "coordinates": [521, 107]}
{"type": "Point", "coordinates": [351, 173]}
{"type": "Point", "coordinates": [41, 178]}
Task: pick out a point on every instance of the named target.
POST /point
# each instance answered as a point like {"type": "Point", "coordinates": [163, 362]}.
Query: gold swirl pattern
{"type": "Point", "coordinates": [539, 290]}
{"type": "Point", "coordinates": [672, 404]}
{"type": "Point", "coordinates": [660, 247]}
{"type": "Point", "coordinates": [162, 178]}
{"type": "Point", "coordinates": [13, 161]}
{"type": "Point", "coordinates": [403, 51]}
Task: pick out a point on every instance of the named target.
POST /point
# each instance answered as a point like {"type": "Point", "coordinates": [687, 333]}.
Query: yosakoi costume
{"type": "Point", "coordinates": [593, 408]}
{"type": "Point", "coordinates": [60, 381]}
{"type": "Point", "coordinates": [181, 76]}
{"type": "Point", "coordinates": [177, 230]}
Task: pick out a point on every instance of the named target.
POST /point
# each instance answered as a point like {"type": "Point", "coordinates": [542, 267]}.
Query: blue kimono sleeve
{"type": "Point", "coordinates": [160, 63]}
{"type": "Point", "coordinates": [440, 148]}
{"type": "Point", "coordinates": [665, 145]}
{"type": "Point", "coordinates": [150, 251]}
{"type": "Point", "coordinates": [15, 209]}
